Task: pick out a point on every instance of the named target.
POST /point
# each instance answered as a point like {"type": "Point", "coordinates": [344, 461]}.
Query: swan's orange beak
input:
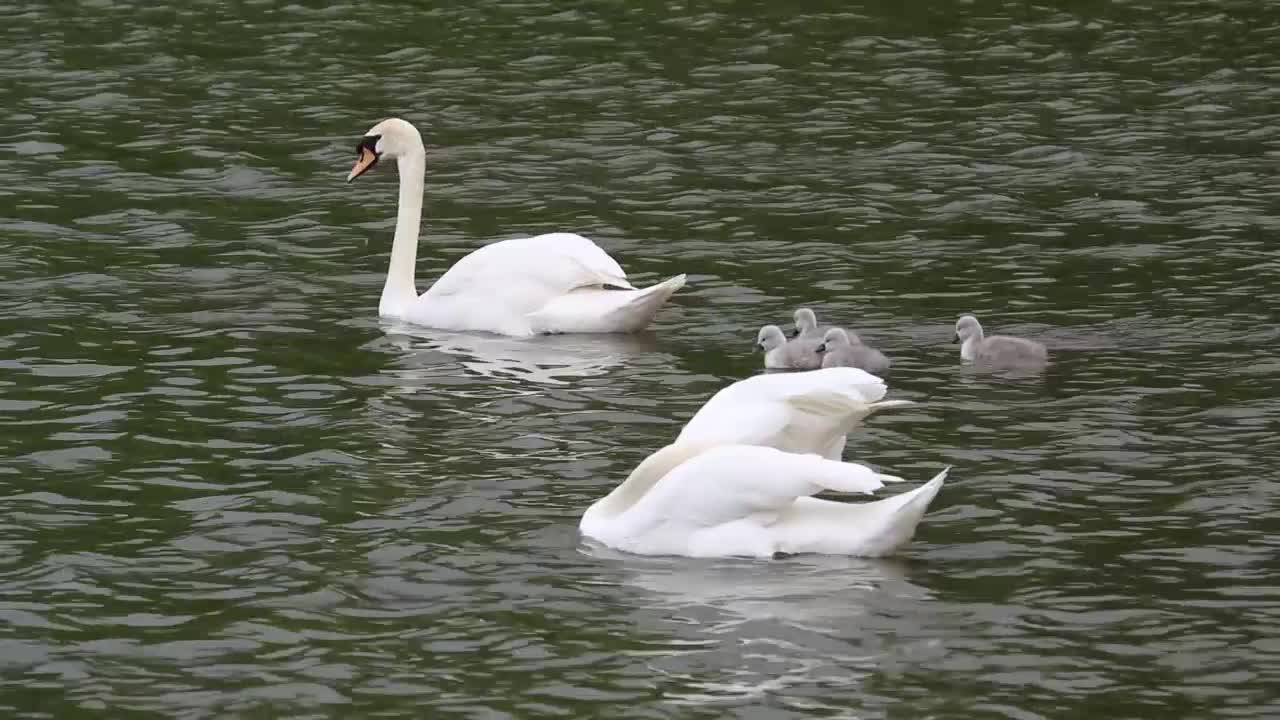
{"type": "Point", "coordinates": [364, 161]}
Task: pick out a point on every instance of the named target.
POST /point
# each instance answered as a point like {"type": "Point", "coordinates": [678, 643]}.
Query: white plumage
{"type": "Point", "coordinates": [553, 283]}
{"type": "Point", "coordinates": [738, 479]}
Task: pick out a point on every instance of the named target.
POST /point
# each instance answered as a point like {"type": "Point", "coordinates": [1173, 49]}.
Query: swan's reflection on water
{"type": "Point", "coordinates": [818, 592]}
{"type": "Point", "coordinates": [544, 359]}
{"type": "Point", "coordinates": [748, 629]}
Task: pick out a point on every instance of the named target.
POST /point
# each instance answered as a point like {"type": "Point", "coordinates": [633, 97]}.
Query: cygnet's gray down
{"type": "Point", "coordinates": [844, 349]}
{"type": "Point", "coordinates": [806, 325]}
{"type": "Point", "coordinates": [997, 351]}
{"type": "Point", "coordinates": [779, 354]}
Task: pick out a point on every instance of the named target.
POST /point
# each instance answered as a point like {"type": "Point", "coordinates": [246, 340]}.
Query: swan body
{"type": "Point", "coordinates": [747, 500]}
{"type": "Point", "coordinates": [738, 479]}
{"type": "Point", "coordinates": [553, 283]}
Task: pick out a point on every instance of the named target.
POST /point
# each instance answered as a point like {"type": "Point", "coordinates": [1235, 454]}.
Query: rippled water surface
{"type": "Point", "coordinates": [228, 491]}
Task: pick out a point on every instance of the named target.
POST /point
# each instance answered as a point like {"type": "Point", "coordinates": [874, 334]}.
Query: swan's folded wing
{"type": "Point", "coordinates": [531, 271]}
{"type": "Point", "coordinates": [594, 309]}
{"type": "Point", "coordinates": [734, 482]}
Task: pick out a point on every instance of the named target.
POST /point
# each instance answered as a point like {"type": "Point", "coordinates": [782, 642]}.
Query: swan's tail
{"type": "Point", "coordinates": [597, 310]}
{"type": "Point", "coordinates": [867, 529]}
{"type": "Point", "coordinates": [886, 404]}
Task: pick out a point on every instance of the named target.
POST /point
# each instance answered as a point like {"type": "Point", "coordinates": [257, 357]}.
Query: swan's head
{"type": "Point", "coordinates": [968, 327]}
{"type": "Point", "coordinates": [391, 138]}
{"type": "Point", "coordinates": [805, 321]}
{"type": "Point", "coordinates": [770, 337]}
{"type": "Point", "coordinates": [834, 338]}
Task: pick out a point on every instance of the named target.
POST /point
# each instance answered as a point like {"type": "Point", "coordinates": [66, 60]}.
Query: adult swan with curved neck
{"type": "Point", "coordinates": [554, 283]}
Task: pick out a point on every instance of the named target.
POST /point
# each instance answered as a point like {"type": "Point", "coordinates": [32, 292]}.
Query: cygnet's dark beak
{"type": "Point", "coordinates": [366, 156]}
{"type": "Point", "coordinates": [795, 333]}
{"type": "Point", "coordinates": [956, 339]}
{"type": "Point", "coordinates": [759, 346]}
{"type": "Point", "coordinates": [821, 348]}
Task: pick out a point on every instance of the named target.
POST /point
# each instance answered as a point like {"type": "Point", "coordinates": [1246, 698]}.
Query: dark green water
{"type": "Point", "coordinates": [226, 491]}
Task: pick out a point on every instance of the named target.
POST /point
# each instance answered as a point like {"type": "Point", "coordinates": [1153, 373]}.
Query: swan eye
{"type": "Point", "coordinates": [370, 143]}
{"type": "Point", "coordinates": [366, 156]}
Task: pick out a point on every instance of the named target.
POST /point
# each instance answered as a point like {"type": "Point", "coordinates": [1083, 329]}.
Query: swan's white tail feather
{"type": "Point", "coordinates": [887, 404]}
{"type": "Point", "coordinates": [832, 437]}
{"type": "Point", "coordinates": [594, 309]}
{"type": "Point", "coordinates": [867, 529]}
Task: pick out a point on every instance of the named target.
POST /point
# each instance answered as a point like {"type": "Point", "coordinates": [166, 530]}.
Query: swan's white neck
{"type": "Point", "coordinates": [400, 290]}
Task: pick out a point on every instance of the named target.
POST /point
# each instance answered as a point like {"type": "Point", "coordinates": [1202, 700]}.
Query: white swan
{"type": "Point", "coordinates": [554, 283]}
{"type": "Point", "coordinates": [710, 495]}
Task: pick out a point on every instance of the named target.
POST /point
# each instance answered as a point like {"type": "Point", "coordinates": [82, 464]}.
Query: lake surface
{"type": "Point", "coordinates": [228, 491]}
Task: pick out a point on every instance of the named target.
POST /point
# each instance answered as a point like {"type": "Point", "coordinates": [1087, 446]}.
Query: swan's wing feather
{"type": "Point", "coordinates": [725, 423]}
{"type": "Point", "coordinates": [532, 269]}
{"type": "Point", "coordinates": [798, 412]}
{"type": "Point", "coordinates": [595, 309]}
{"type": "Point", "coordinates": [734, 482]}
{"type": "Point", "coordinates": [868, 529]}
{"type": "Point", "coordinates": [558, 282]}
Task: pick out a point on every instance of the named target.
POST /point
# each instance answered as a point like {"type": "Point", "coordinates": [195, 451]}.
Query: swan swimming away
{"type": "Point", "coordinates": [841, 348]}
{"type": "Point", "coordinates": [738, 480]}
{"type": "Point", "coordinates": [553, 283]}
{"type": "Point", "coordinates": [997, 351]}
{"type": "Point", "coordinates": [783, 354]}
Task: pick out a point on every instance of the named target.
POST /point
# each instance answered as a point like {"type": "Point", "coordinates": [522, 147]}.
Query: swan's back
{"type": "Point", "coordinates": [552, 263]}
{"type": "Point", "coordinates": [501, 285]}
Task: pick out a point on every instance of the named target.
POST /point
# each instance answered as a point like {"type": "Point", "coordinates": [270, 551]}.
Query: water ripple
{"type": "Point", "coordinates": [228, 490]}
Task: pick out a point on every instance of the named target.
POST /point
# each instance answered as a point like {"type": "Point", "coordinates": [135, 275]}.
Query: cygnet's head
{"type": "Point", "coordinates": [393, 138]}
{"type": "Point", "coordinates": [770, 337]}
{"type": "Point", "coordinates": [968, 327]}
{"type": "Point", "coordinates": [805, 321]}
{"type": "Point", "coordinates": [834, 338]}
